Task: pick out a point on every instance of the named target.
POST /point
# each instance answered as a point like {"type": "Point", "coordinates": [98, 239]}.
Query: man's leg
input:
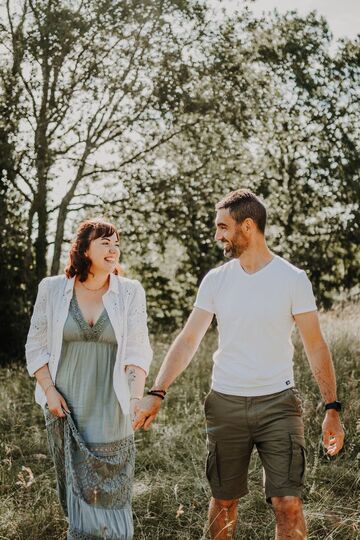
{"type": "Point", "coordinates": [222, 518]}
{"type": "Point", "coordinates": [280, 442]}
{"type": "Point", "coordinates": [230, 445]}
{"type": "Point", "coordinates": [290, 522]}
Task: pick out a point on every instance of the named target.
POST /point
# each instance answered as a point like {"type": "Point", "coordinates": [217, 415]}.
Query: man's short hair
{"type": "Point", "coordinates": [243, 204]}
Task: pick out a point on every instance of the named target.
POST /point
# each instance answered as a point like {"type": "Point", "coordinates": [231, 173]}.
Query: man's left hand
{"type": "Point", "coordinates": [333, 433]}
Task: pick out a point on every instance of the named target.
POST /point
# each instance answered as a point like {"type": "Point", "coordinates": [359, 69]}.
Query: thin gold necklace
{"type": "Point", "coordinates": [94, 290]}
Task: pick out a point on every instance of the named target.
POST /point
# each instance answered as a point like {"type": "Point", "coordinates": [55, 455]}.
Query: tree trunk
{"type": "Point", "coordinates": [41, 240]}
{"type": "Point", "coordinates": [63, 210]}
{"type": "Point", "coordinates": [42, 161]}
{"type": "Point", "coordinates": [42, 167]}
{"type": "Point", "coordinates": [59, 236]}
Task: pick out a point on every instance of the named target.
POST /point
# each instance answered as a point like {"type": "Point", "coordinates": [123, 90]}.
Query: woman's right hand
{"type": "Point", "coordinates": [56, 402]}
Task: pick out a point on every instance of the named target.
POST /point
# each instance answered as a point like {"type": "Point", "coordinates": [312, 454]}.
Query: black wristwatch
{"type": "Point", "coordinates": [333, 405]}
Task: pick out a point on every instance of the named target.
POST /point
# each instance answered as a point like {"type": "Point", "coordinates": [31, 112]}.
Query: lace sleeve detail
{"type": "Point", "coordinates": [36, 348]}
{"type": "Point", "coordinates": [138, 350]}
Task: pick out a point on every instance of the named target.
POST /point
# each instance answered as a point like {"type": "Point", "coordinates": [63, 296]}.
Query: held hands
{"type": "Point", "coordinates": [56, 402]}
{"type": "Point", "coordinates": [144, 411]}
{"type": "Point", "coordinates": [333, 433]}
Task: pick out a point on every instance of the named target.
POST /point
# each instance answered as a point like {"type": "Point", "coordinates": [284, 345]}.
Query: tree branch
{"type": "Point", "coordinates": [157, 144]}
{"type": "Point", "coordinates": [22, 193]}
{"type": "Point", "coordinates": [27, 182]}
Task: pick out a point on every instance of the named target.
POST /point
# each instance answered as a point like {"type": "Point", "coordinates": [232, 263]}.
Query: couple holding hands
{"type": "Point", "coordinates": [89, 349]}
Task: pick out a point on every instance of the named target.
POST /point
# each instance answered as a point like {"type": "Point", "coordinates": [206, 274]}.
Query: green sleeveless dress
{"type": "Point", "coordinates": [93, 446]}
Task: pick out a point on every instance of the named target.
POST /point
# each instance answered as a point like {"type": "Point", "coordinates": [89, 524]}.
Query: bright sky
{"type": "Point", "coordinates": [343, 16]}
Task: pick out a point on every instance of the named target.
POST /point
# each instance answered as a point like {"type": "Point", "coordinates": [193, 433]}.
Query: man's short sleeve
{"type": "Point", "coordinates": [205, 298]}
{"type": "Point", "coordinates": [303, 299]}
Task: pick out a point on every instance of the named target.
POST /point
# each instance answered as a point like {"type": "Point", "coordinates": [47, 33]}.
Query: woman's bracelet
{"type": "Point", "coordinates": [135, 398]}
{"type": "Point", "coordinates": [49, 386]}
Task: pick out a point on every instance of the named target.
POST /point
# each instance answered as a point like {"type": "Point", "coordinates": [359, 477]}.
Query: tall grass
{"type": "Point", "coordinates": [171, 494]}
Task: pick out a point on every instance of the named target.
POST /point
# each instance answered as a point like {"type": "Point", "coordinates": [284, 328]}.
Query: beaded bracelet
{"type": "Point", "coordinates": [49, 386]}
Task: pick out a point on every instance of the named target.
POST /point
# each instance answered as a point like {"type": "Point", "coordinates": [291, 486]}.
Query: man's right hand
{"type": "Point", "coordinates": [56, 402]}
{"type": "Point", "coordinates": [146, 411]}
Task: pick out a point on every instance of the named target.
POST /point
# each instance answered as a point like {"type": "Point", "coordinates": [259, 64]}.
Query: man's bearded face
{"type": "Point", "coordinates": [229, 233]}
{"type": "Point", "coordinates": [235, 246]}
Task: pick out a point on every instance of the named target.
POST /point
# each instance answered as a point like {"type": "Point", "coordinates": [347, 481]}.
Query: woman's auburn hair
{"type": "Point", "coordinates": [91, 229]}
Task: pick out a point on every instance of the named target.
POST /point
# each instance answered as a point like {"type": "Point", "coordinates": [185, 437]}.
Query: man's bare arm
{"type": "Point", "coordinates": [183, 348]}
{"type": "Point", "coordinates": [177, 359]}
{"type": "Point", "coordinates": [319, 357]}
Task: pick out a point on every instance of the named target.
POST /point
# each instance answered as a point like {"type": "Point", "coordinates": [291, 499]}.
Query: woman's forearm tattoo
{"type": "Point", "coordinates": [131, 376]}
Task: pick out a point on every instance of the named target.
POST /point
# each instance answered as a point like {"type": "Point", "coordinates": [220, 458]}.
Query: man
{"type": "Point", "coordinates": [256, 298]}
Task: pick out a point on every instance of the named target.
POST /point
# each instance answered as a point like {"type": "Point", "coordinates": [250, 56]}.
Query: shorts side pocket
{"type": "Point", "coordinates": [206, 400]}
{"type": "Point", "coordinates": [212, 466]}
{"type": "Point", "coordinates": [297, 400]}
{"type": "Point", "coordinates": [297, 460]}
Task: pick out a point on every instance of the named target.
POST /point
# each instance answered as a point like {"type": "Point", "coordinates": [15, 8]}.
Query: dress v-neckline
{"type": "Point", "coordinates": [80, 315]}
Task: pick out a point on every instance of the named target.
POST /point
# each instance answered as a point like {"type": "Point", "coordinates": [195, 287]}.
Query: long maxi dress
{"type": "Point", "coordinates": [93, 446]}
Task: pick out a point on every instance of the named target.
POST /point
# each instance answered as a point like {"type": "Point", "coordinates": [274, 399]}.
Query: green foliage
{"type": "Point", "coordinates": [311, 152]}
{"type": "Point", "coordinates": [92, 82]}
{"type": "Point", "coordinates": [150, 112]}
{"type": "Point", "coordinates": [162, 299]}
{"type": "Point", "coordinates": [279, 115]}
{"type": "Point", "coordinates": [15, 281]}
{"type": "Point", "coordinates": [171, 493]}
{"type": "Point", "coordinates": [15, 299]}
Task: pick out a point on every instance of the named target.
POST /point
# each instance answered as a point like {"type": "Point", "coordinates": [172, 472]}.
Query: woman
{"type": "Point", "coordinates": [89, 350]}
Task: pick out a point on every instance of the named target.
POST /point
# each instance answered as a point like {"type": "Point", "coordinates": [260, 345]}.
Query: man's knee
{"type": "Point", "coordinates": [226, 504]}
{"type": "Point", "coordinates": [287, 506]}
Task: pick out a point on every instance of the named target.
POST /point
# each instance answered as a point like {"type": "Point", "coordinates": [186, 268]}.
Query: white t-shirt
{"type": "Point", "coordinates": [254, 313]}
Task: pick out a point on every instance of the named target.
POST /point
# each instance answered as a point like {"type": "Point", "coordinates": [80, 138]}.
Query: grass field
{"type": "Point", "coordinates": [171, 493]}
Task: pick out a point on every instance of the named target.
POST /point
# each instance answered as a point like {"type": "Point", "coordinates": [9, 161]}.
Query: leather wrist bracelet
{"type": "Point", "coordinates": [163, 392]}
{"type": "Point", "coordinates": [159, 393]}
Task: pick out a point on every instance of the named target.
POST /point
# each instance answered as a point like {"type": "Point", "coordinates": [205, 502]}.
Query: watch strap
{"type": "Point", "coordinates": [333, 405]}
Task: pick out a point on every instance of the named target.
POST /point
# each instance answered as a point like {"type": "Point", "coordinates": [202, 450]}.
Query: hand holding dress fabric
{"type": "Point", "coordinates": [56, 402]}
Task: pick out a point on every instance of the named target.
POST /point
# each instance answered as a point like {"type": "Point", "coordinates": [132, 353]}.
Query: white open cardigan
{"type": "Point", "coordinates": [125, 304]}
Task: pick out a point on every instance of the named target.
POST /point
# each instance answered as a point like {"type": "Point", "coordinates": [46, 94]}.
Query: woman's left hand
{"type": "Point", "coordinates": [134, 402]}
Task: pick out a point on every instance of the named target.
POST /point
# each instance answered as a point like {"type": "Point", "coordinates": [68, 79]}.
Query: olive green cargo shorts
{"type": "Point", "coordinates": [273, 424]}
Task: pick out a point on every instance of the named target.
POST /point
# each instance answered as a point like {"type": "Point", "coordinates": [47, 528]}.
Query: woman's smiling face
{"type": "Point", "coordinates": [104, 253]}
